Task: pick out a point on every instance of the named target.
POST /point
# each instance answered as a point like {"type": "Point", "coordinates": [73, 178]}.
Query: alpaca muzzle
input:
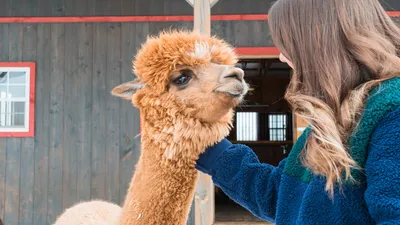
{"type": "Point", "coordinates": [233, 83]}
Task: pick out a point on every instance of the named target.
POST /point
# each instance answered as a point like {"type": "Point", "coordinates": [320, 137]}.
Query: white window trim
{"type": "Point", "coordinates": [27, 70]}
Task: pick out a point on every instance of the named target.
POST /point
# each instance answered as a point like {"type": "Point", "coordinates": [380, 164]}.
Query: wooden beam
{"type": "Point", "coordinates": [204, 200]}
{"type": "Point", "coordinates": [202, 17]}
{"type": "Point", "coordinates": [133, 19]}
{"type": "Point", "coordinates": [129, 19]}
{"type": "Point", "coordinates": [204, 193]}
{"type": "Point", "coordinates": [213, 2]}
{"type": "Point", "coordinates": [191, 2]}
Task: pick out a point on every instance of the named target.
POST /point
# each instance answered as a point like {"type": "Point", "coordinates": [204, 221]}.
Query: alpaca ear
{"type": "Point", "coordinates": [128, 89]}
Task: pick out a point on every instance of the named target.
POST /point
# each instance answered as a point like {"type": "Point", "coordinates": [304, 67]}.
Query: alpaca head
{"type": "Point", "coordinates": [195, 71]}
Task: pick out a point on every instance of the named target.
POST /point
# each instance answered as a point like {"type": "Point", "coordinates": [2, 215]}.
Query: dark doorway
{"type": "Point", "coordinates": [264, 123]}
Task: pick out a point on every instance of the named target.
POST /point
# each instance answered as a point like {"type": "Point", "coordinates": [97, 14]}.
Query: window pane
{"type": "Point", "coordinates": [12, 120]}
{"type": "Point", "coordinates": [3, 119]}
{"type": "Point", "coordinates": [18, 107]}
{"type": "Point", "coordinates": [17, 91]}
{"type": "Point", "coordinates": [280, 136]}
{"type": "Point", "coordinates": [3, 77]}
{"type": "Point", "coordinates": [272, 134]}
{"type": "Point", "coordinates": [17, 77]}
{"type": "Point", "coordinates": [3, 107]}
{"type": "Point", "coordinates": [18, 119]}
{"type": "Point", "coordinates": [3, 91]}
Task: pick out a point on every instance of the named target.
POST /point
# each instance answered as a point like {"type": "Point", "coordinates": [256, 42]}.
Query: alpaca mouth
{"type": "Point", "coordinates": [231, 94]}
{"type": "Point", "coordinates": [234, 95]}
{"type": "Point", "coordinates": [236, 92]}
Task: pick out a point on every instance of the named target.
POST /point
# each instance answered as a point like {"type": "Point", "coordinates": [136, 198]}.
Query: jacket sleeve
{"type": "Point", "coordinates": [383, 171]}
{"type": "Point", "coordinates": [237, 171]}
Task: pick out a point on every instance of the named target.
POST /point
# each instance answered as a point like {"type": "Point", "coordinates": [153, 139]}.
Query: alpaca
{"type": "Point", "coordinates": [186, 89]}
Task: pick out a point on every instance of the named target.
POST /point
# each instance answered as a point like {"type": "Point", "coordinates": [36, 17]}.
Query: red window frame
{"type": "Point", "coordinates": [32, 82]}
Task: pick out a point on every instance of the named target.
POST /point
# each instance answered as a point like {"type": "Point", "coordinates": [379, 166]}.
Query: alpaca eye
{"type": "Point", "coordinates": [184, 78]}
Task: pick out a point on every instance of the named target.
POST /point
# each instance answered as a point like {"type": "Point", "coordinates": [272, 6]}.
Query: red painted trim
{"type": "Point", "coordinates": [393, 13]}
{"type": "Point", "coordinates": [99, 19]}
{"type": "Point", "coordinates": [254, 51]}
{"type": "Point", "coordinates": [240, 17]}
{"type": "Point", "coordinates": [32, 67]}
{"type": "Point", "coordinates": [173, 18]}
{"type": "Point", "coordinates": [94, 19]}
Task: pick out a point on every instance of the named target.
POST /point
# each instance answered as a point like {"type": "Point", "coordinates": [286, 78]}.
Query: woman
{"type": "Point", "coordinates": [345, 168]}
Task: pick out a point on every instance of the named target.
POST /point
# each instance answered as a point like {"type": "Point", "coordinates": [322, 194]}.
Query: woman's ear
{"type": "Point", "coordinates": [128, 89]}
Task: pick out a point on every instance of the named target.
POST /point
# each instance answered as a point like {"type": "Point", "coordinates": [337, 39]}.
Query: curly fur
{"type": "Point", "coordinates": [176, 128]}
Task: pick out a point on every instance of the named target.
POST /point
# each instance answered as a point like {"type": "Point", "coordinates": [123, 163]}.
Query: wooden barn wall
{"type": "Point", "coordinates": [124, 7]}
{"type": "Point", "coordinates": [136, 7]}
{"type": "Point", "coordinates": [84, 144]}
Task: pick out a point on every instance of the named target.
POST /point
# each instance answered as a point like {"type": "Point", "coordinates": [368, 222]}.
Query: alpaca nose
{"type": "Point", "coordinates": [235, 73]}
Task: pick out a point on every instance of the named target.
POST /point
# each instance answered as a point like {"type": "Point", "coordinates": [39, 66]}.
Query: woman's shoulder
{"type": "Point", "coordinates": [384, 144]}
{"type": "Point", "coordinates": [388, 127]}
{"type": "Point", "coordinates": [383, 102]}
{"type": "Point", "coordinates": [383, 151]}
{"type": "Point", "coordinates": [387, 93]}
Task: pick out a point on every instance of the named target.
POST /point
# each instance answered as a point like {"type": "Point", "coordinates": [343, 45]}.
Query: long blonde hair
{"type": "Point", "coordinates": [340, 49]}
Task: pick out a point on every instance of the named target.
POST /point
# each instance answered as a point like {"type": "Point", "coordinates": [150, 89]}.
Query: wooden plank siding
{"type": "Point", "coordinates": [41, 160]}
{"type": "Point", "coordinates": [56, 125]}
{"type": "Point", "coordinates": [113, 109]}
{"type": "Point", "coordinates": [79, 143]}
{"type": "Point", "coordinates": [136, 7]}
{"type": "Point", "coordinates": [29, 51]}
{"type": "Point", "coordinates": [13, 150]}
{"type": "Point", "coordinates": [85, 145]}
{"type": "Point", "coordinates": [98, 181]}
{"type": "Point", "coordinates": [4, 29]}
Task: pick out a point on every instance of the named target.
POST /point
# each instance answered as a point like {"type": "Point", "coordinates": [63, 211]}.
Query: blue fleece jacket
{"type": "Point", "coordinates": [290, 194]}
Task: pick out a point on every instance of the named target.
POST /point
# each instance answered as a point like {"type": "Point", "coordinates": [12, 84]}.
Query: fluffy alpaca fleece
{"type": "Point", "coordinates": [95, 212]}
{"type": "Point", "coordinates": [164, 182]}
{"type": "Point", "coordinates": [178, 124]}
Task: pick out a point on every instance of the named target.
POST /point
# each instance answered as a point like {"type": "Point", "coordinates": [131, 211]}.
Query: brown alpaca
{"type": "Point", "coordinates": [186, 90]}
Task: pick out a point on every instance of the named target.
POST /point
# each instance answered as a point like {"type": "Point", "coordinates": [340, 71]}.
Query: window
{"type": "Point", "coordinates": [247, 126]}
{"type": "Point", "coordinates": [277, 127]}
{"type": "Point", "coordinates": [17, 99]}
{"type": "Point", "coordinates": [261, 126]}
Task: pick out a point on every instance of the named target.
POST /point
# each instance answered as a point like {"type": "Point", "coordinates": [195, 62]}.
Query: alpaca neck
{"type": "Point", "coordinates": [160, 192]}
{"type": "Point", "coordinates": [162, 188]}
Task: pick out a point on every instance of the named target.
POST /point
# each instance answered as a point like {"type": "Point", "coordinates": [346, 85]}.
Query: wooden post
{"type": "Point", "coordinates": [202, 17]}
{"type": "Point", "coordinates": [204, 194]}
